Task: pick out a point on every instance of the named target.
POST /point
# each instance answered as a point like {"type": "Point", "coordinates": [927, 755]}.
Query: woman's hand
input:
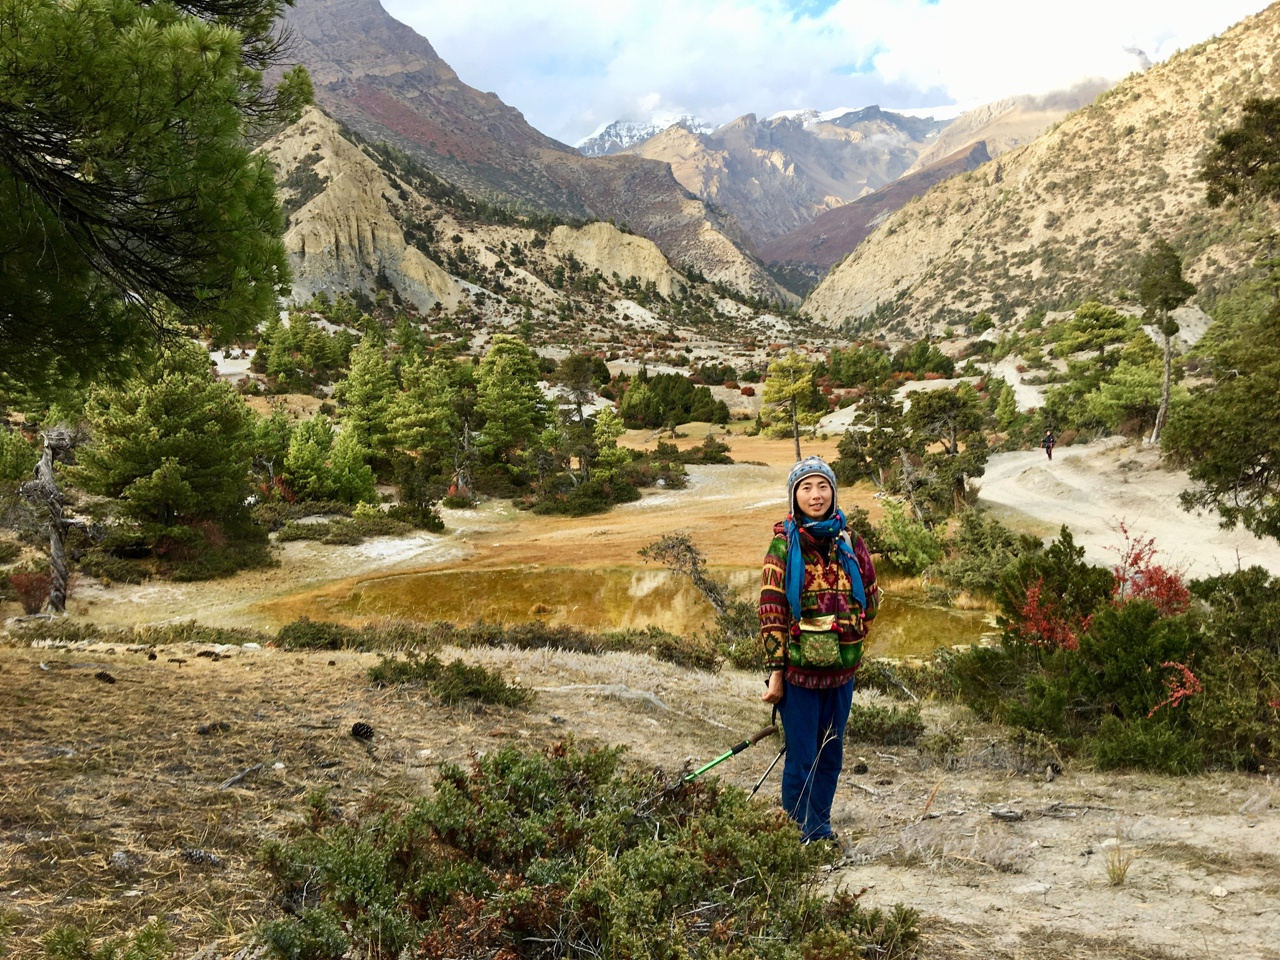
{"type": "Point", "coordinates": [773, 692]}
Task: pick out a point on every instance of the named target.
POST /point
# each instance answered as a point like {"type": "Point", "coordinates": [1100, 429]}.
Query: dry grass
{"type": "Point", "coordinates": [952, 941]}
{"type": "Point", "coordinates": [111, 810]}
{"type": "Point", "coordinates": [940, 842]}
{"type": "Point", "coordinates": [1117, 861]}
{"type": "Point", "coordinates": [1216, 861]}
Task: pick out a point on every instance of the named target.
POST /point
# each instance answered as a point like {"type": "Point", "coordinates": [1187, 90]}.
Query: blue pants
{"type": "Point", "coordinates": [813, 723]}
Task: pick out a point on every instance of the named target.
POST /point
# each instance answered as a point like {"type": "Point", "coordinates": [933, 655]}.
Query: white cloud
{"type": "Point", "coordinates": [570, 65]}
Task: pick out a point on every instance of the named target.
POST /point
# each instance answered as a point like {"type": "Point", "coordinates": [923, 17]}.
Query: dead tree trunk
{"type": "Point", "coordinates": [1162, 412]}
{"type": "Point", "coordinates": [795, 426]}
{"type": "Point", "coordinates": [42, 492]}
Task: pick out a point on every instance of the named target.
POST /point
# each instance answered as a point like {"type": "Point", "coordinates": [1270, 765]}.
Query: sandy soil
{"type": "Point", "coordinates": [1095, 488]}
{"type": "Point", "coordinates": [1003, 858]}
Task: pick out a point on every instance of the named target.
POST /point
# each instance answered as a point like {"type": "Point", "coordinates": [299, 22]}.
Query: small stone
{"type": "Point", "coordinates": [1033, 889]}
{"type": "Point", "coordinates": [1218, 892]}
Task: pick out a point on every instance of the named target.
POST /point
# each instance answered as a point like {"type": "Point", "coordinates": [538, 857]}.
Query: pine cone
{"type": "Point", "coordinates": [361, 730]}
{"type": "Point", "coordinates": [104, 677]}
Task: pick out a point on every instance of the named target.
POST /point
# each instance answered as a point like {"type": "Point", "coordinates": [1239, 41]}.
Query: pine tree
{"type": "Point", "coordinates": [424, 417]}
{"type": "Point", "coordinates": [130, 199]}
{"type": "Point", "coordinates": [173, 446]}
{"type": "Point", "coordinates": [508, 398]}
{"type": "Point", "coordinates": [323, 466]}
{"type": "Point", "coordinates": [790, 388]}
{"type": "Point", "coordinates": [610, 457]}
{"type": "Point", "coordinates": [365, 397]}
{"type": "Point", "coordinates": [306, 461]}
{"type": "Point", "coordinates": [1006, 407]}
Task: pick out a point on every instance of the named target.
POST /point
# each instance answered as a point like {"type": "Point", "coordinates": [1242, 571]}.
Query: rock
{"type": "Point", "coordinates": [1033, 889]}
{"type": "Point", "coordinates": [1218, 892]}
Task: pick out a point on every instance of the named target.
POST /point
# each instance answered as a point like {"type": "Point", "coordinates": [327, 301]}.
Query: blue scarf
{"type": "Point", "coordinates": [828, 529]}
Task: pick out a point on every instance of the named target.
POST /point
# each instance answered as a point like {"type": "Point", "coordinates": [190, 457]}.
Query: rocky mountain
{"type": "Point", "coordinates": [811, 251]}
{"type": "Point", "coordinates": [368, 221]}
{"type": "Point", "coordinates": [1071, 214]}
{"type": "Point", "coordinates": [1008, 123]}
{"type": "Point", "coordinates": [387, 83]}
{"type": "Point", "coordinates": [775, 175]}
{"type": "Point", "coordinates": [621, 134]}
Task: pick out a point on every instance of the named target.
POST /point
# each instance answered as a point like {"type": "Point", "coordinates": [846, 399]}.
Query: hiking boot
{"type": "Point", "coordinates": [833, 839]}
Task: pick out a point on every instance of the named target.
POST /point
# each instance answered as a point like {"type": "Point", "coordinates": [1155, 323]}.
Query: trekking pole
{"type": "Point", "coordinates": [773, 720]}
{"type": "Point", "coordinates": [734, 751]}
{"type": "Point", "coordinates": [760, 782]}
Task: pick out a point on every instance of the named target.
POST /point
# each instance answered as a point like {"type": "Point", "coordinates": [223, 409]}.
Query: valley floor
{"type": "Point", "coordinates": [106, 789]}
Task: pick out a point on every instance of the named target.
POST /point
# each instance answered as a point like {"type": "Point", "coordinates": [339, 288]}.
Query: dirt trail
{"type": "Point", "coordinates": [1093, 488]}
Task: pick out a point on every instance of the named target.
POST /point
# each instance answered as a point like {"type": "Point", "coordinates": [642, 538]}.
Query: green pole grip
{"type": "Point", "coordinates": [734, 751]}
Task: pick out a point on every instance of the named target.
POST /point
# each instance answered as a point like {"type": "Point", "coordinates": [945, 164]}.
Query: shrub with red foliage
{"type": "Point", "coordinates": [1042, 623]}
{"type": "Point", "coordinates": [1180, 686]}
{"type": "Point", "coordinates": [277, 488]}
{"type": "Point", "coordinates": [748, 391]}
{"type": "Point", "coordinates": [1139, 577]}
{"type": "Point", "coordinates": [32, 589]}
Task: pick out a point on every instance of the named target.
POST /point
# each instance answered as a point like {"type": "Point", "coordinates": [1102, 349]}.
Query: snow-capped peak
{"type": "Point", "coordinates": [620, 134]}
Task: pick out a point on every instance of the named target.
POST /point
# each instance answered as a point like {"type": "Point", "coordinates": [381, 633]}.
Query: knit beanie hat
{"type": "Point", "coordinates": [809, 467]}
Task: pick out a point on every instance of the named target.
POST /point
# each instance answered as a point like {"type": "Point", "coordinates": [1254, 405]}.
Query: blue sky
{"type": "Point", "coordinates": [573, 65]}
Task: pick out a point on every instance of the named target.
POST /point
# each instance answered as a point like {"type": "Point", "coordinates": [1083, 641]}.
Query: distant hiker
{"type": "Point", "coordinates": [818, 596]}
{"type": "Point", "coordinates": [1048, 443]}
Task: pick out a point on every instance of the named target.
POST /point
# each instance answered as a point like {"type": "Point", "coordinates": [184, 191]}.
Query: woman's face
{"type": "Point", "coordinates": [813, 497]}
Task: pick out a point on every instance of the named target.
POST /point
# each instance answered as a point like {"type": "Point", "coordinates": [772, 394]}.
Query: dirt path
{"type": "Point", "coordinates": [1094, 488]}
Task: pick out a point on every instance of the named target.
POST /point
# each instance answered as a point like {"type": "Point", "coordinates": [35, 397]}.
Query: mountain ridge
{"type": "Point", "coordinates": [1069, 215]}
{"type": "Point", "coordinates": [388, 84]}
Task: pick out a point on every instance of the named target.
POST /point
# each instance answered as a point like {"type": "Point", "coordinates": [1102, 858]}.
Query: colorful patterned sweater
{"type": "Point", "coordinates": [825, 592]}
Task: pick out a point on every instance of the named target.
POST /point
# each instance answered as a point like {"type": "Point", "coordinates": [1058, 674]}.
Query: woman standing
{"type": "Point", "coordinates": [818, 594]}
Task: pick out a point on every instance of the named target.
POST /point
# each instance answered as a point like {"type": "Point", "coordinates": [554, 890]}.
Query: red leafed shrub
{"type": "Point", "coordinates": [1042, 623]}
{"type": "Point", "coordinates": [1139, 577]}
{"type": "Point", "coordinates": [32, 589]}
{"type": "Point", "coordinates": [933, 375]}
{"type": "Point", "coordinates": [1181, 685]}
{"type": "Point", "coordinates": [748, 391]}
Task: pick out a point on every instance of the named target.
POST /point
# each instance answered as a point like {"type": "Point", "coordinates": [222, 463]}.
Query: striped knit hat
{"type": "Point", "coordinates": [809, 467]}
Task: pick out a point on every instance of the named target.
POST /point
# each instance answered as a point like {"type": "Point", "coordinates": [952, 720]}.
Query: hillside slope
{"type": "Point", "coordinates": [365, 219]}
{"type": "Point", "coordinates": [1071, 214]}
{"type": "Point", "coordinates": [1008, 123]}
{"type": "Point", "coordinates": [777, 174]}
{"type": "Point", "coordinates": [388, 84]}
{"type": "Point", "coordinates": [830, 237]}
